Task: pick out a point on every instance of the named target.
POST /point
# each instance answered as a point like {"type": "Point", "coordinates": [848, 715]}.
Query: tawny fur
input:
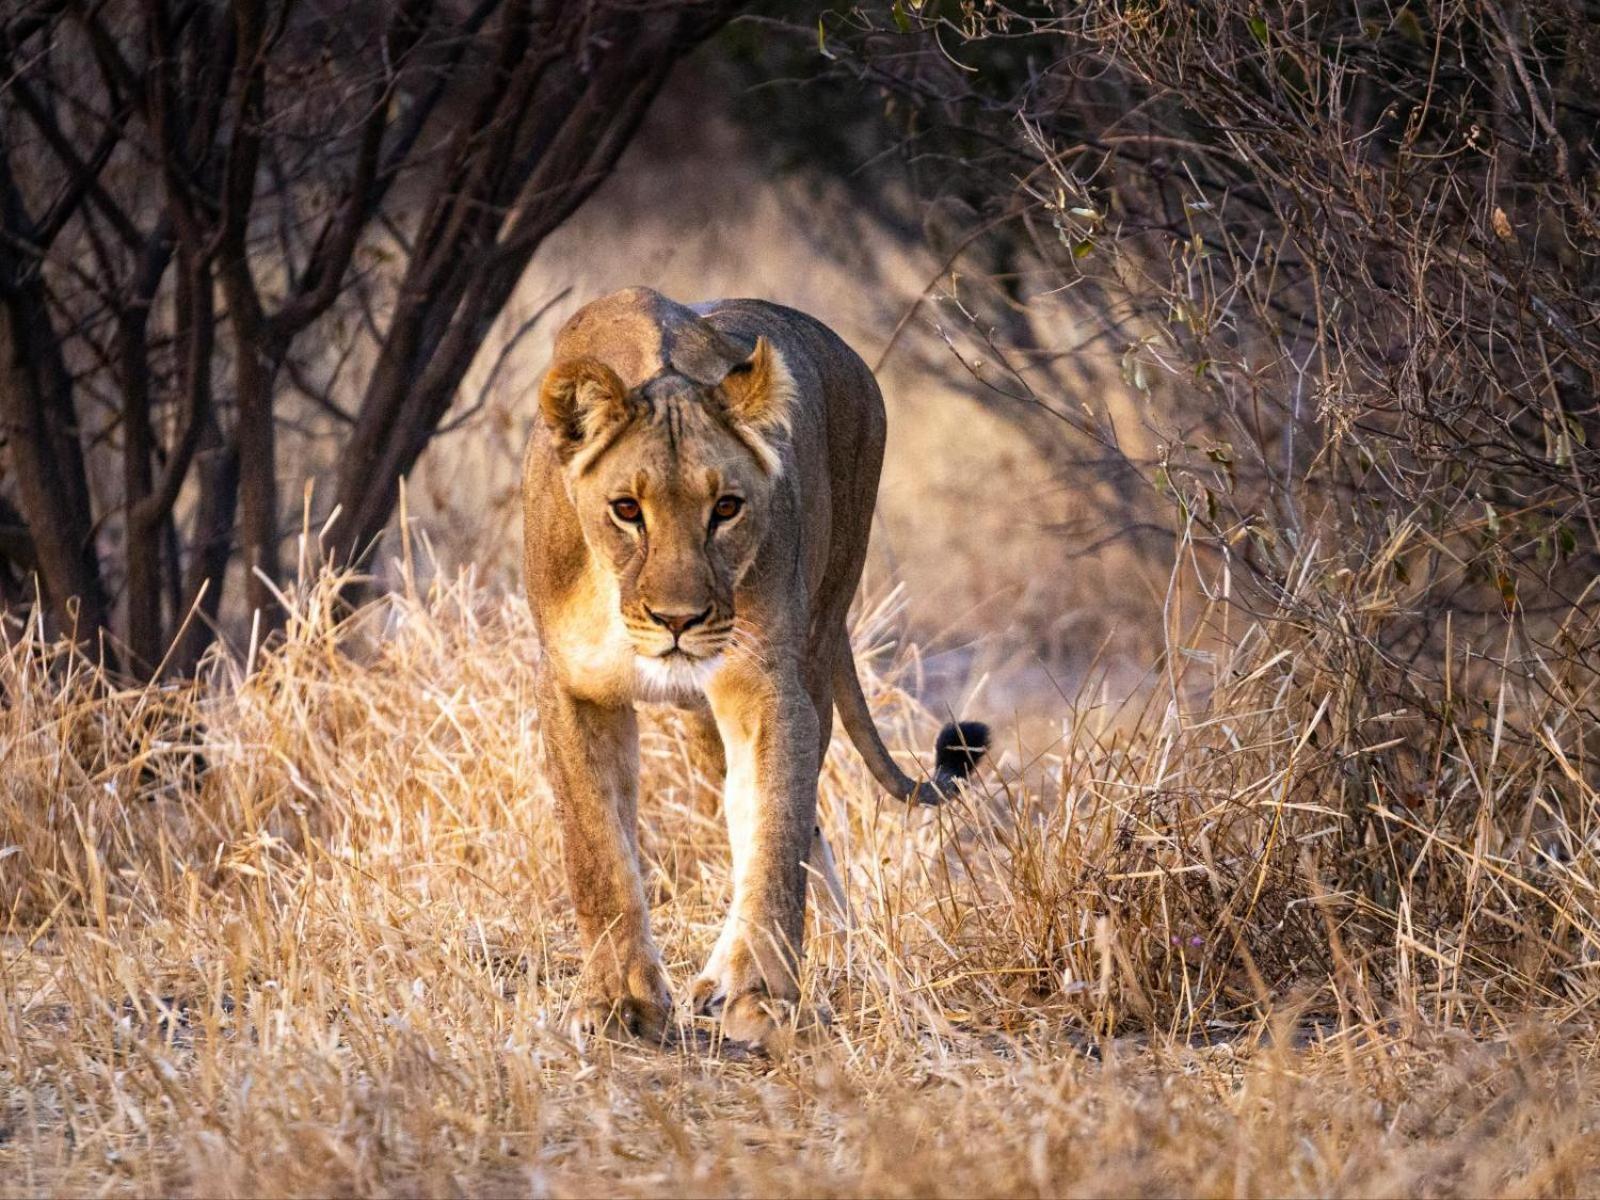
{"type": "Point", "coordinates": [672, 408]}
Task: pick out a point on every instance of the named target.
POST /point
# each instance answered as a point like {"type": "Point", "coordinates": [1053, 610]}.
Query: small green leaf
{"type": "Point", "coordinates": [1258, 26]}
{"type": "Point", "coordinates": [1082, 249]}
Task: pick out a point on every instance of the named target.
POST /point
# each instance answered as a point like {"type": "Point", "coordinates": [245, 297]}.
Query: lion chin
{"type": "Point", "coordinates": [674, 678]}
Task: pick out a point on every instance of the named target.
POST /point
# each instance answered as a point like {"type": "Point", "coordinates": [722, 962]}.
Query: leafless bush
{"type": "Point", "coordinates": [1351, 255]}
{"type": "Point", "coordinates": [221, 223]}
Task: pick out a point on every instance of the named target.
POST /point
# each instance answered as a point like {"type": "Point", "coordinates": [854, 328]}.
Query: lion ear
{"type": "Point", "coordinates": [759, 396]}
{"type": "Point", "coordinates": [580, 397]}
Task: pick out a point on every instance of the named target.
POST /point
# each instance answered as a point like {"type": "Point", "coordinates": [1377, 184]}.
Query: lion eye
{"type": "Point", "coordinates": [727, 508]}
{"type": "Point", "coordinates": [626, 509]}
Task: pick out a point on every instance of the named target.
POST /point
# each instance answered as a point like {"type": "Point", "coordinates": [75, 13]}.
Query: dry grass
{"type": "Point", "coordinates": [301, 929]}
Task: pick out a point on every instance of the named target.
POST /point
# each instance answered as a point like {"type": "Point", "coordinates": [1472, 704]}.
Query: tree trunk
{"type": "Point", "coordinates": [41, 435]}
{"type": "Point", "coordinates": [146, 639]}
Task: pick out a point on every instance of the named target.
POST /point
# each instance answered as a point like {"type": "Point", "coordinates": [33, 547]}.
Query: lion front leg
{"type": "Point", "coordinates": [593, 756]}
{"type": "Point", "coordinates": [770, 797]}
{"type": "Point", "coordinates": [707, 761]}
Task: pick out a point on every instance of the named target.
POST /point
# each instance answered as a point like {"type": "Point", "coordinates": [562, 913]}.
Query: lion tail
{"type": "Point", "coordinates": [956, 752]}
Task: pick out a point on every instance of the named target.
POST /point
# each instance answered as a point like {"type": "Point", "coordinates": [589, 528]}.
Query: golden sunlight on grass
{"type": "Point", "coordinates": [302, 930]}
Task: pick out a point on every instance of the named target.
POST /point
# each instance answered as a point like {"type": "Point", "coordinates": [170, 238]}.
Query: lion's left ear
{"type": "Point", "coordinates": [759, 395]}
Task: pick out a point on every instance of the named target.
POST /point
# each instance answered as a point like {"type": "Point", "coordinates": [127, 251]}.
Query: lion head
{"type": "Point", "coordinates": [672, 482]}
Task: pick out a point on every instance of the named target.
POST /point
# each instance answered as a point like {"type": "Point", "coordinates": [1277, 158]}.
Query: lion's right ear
{"type": "Point", "coordinates": [758, 394]}
{"type": "Point", "coordinates": [580, 397]}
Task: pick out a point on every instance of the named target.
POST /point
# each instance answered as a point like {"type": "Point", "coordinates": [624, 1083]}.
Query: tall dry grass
{"type": "Point", "coordinates": [299, 927]}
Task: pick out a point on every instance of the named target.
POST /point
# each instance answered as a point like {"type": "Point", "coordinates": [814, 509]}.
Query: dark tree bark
{"type": "Point", "coordinates": [41, 427]}
{"type": "Point", "coordinates": [143, 547]}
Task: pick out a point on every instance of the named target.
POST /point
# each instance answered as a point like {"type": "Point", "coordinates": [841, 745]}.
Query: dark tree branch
{"type": "Point", "coordinates": [498, 118]}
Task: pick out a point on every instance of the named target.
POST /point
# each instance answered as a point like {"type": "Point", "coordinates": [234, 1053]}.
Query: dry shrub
{"type": "Point", "coordinates": [299, 927]}
{"type": "Point", "coordinates": [1350, 255]}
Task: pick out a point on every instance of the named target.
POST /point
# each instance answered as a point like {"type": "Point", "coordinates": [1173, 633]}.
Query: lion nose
{"type": "Point", "coordinates": [679, 622]}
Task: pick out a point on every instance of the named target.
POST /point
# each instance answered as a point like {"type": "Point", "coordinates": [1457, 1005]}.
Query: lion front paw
{"type": "Point", "coordinates": [760, 1019]}
{"type": "Point", "coordinates": [634, 1001]}
{"type": "Point", "coordinates": [734, 988]}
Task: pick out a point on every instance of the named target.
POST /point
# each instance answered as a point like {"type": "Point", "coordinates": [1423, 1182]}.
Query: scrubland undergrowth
{"type": "Point", "coordinates": [300, 927]}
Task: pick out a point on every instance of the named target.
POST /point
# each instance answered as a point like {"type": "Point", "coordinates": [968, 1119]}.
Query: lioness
{"type": "Point", "coordinates": [697, 498]}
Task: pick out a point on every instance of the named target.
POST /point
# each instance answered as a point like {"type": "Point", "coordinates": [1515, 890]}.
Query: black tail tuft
{"type": "Point", "coordinates": [959, 748]}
